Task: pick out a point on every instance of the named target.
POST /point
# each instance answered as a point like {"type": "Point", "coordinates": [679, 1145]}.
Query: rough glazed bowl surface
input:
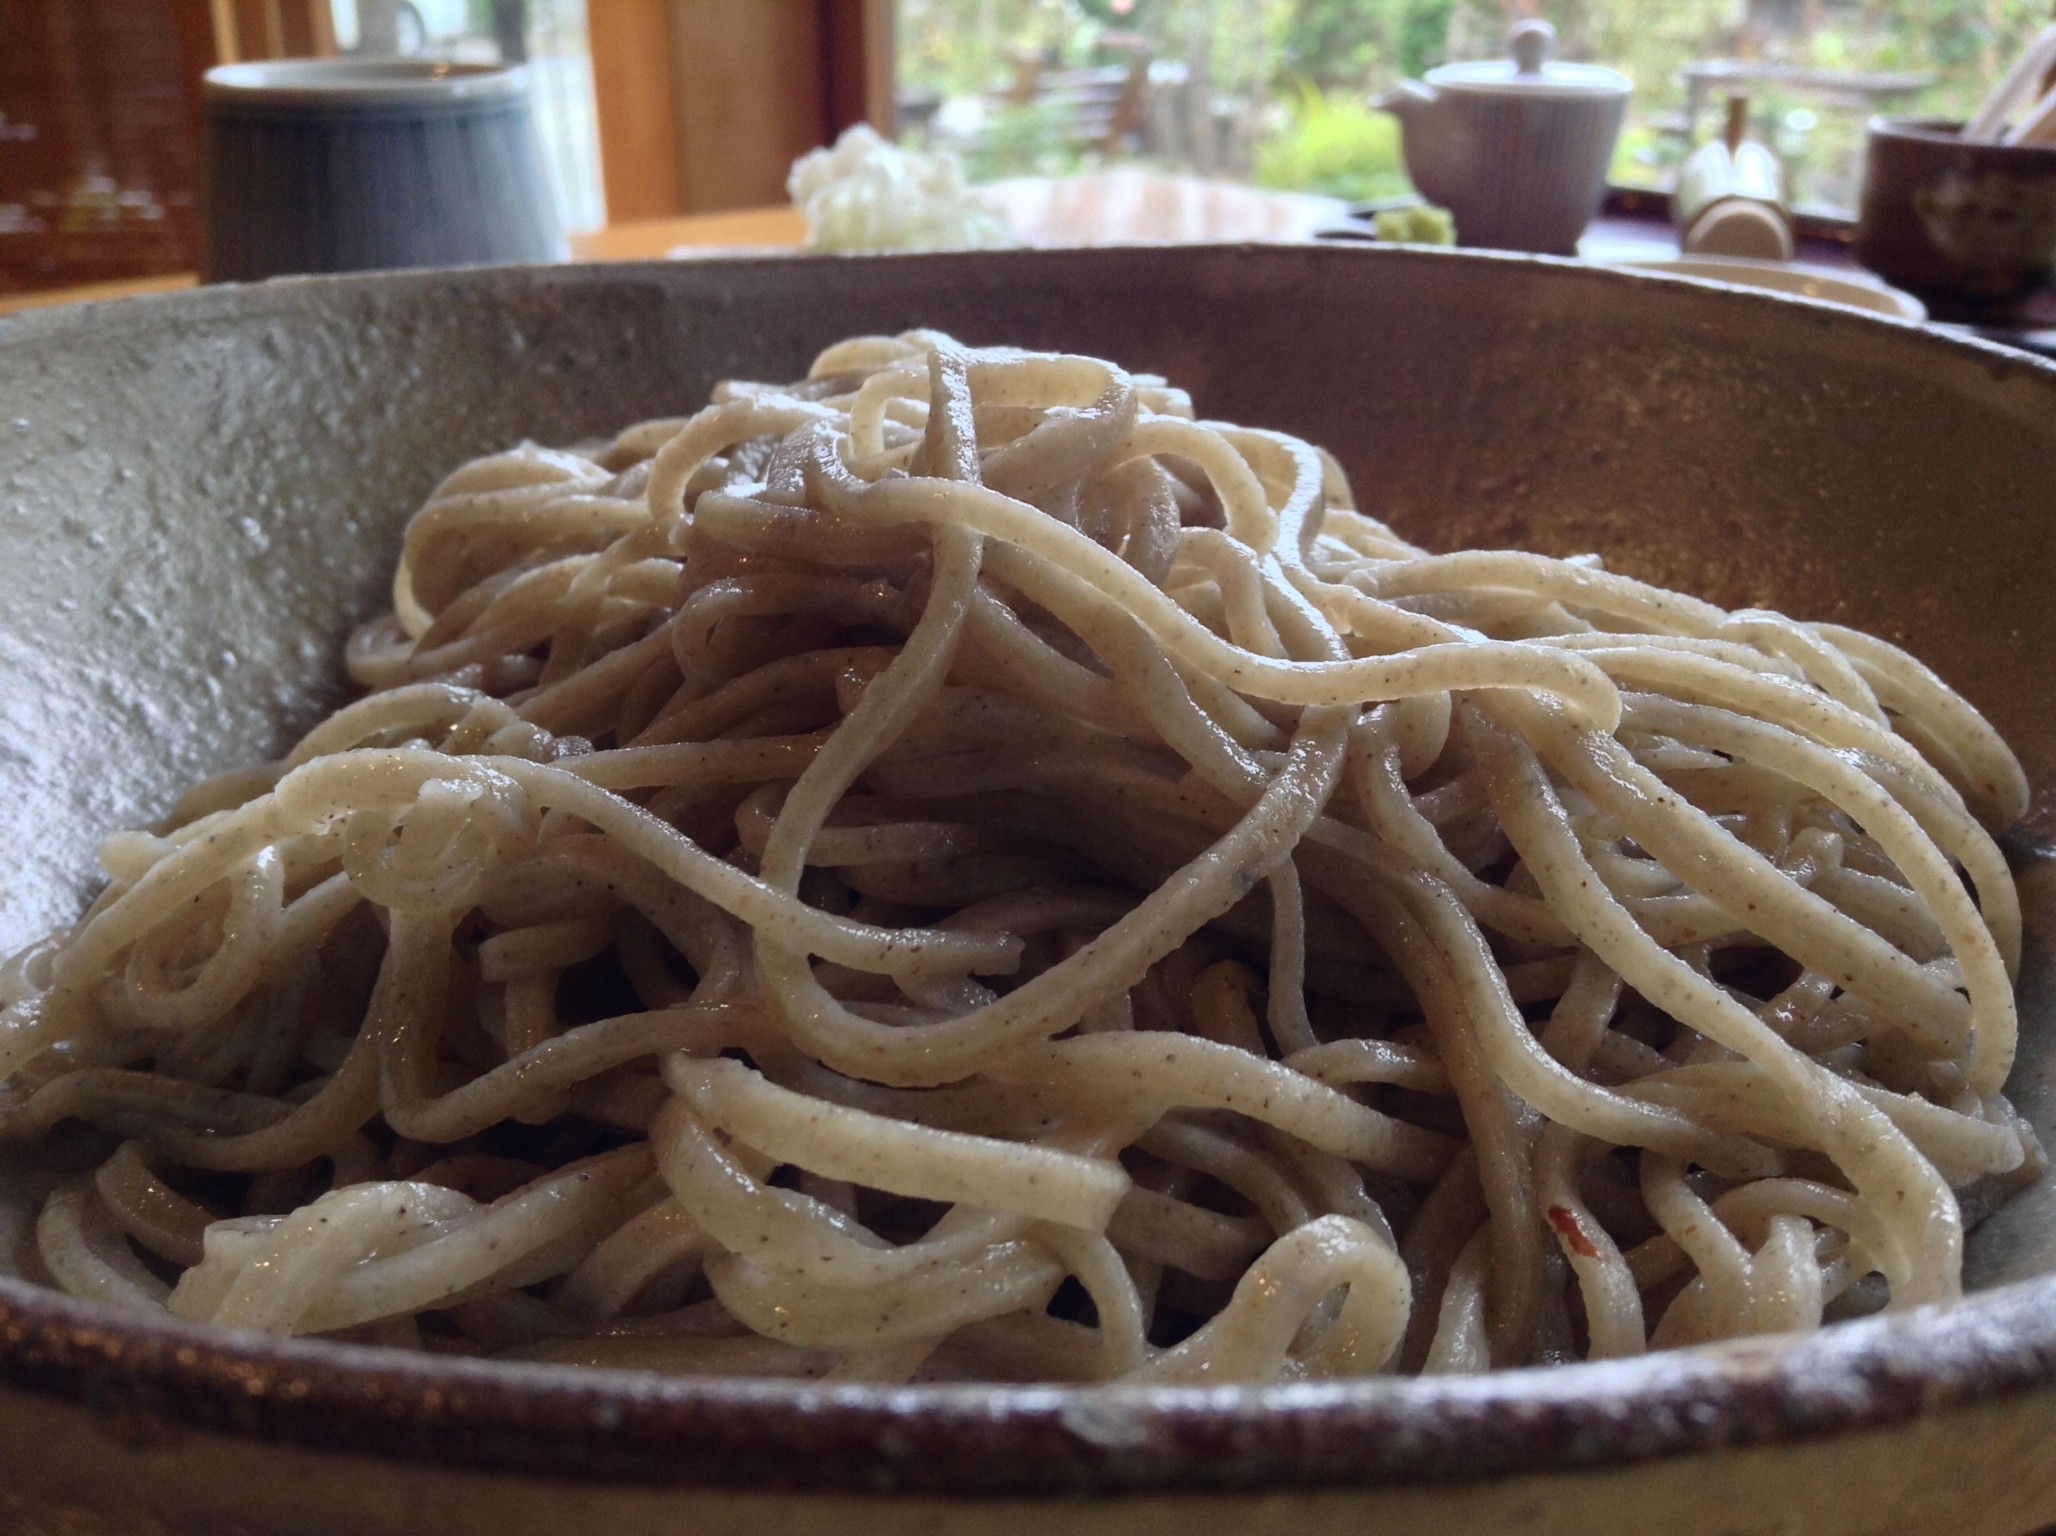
{"type": "Point", "coordinates": [200, 494]}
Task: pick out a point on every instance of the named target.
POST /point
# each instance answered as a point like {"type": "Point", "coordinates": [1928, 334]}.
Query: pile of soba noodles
{"type": "Point", "coordinates": [954, 869]}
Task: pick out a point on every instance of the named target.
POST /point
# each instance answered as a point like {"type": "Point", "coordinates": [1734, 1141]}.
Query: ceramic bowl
{"type": "Point", "coordinates": [1801, 281]}
{"type": "Point", "coordinates": [1969, 227]}
{"type": "Point", "coordinates": [199, 494]}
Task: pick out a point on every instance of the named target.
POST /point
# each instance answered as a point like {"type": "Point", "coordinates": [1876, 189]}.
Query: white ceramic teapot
{"type": "Point", "coordinates": [1516, 149]}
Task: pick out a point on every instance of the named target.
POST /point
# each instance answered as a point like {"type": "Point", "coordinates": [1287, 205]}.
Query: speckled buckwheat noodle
{"type": "Point", "coordinates": [955, 869]}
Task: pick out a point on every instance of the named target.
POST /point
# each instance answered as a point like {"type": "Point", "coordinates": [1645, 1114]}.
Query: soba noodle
{"type": "Point", "coordinates": [955, 869]}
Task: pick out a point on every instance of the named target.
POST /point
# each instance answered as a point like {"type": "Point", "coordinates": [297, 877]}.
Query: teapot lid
{"type": "Point", "coordinates": [1531, 70]}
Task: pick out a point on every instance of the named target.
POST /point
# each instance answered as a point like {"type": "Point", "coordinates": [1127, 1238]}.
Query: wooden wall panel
{"type": "Point", "coordinates": [99, 138]}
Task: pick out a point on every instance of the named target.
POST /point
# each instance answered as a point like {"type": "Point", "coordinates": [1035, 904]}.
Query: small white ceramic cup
{"type": "Point", "coordinates": [345, 165]}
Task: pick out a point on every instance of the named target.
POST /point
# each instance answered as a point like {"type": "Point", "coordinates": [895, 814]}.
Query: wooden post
{"type": "Point", "coordinates": [639, 138]}
{"type": "Point", "coordinates": [704, 104]}
{"type": "Point", "coordinates": [857, 38]}
{"type": "Point", "coordinates": [272, 29]}
{"type": "Point", "coordinates": [751, 98]}
{"type": "Point", "coordinates": [222, 13]}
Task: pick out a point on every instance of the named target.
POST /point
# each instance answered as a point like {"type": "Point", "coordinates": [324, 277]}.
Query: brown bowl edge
{"type": "Point", "coordinates": [150, 1382]}
{"type": "Point", "coordinates": [147, 1382]}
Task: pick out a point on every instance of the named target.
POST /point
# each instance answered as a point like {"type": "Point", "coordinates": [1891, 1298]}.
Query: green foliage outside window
{"type": "Point", "coordinates": [1336, 144]}
{"type": "Point", "coordinates": [1290, 80]}
{"type": "Point", "coordinates": [1344, 43]}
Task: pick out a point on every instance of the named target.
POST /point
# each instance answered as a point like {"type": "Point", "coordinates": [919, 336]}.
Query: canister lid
{"type": "Point", "coordinates": [1533, 69]}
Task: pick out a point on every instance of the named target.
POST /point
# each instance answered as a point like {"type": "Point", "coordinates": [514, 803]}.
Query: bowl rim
{"type": "Point", "coordinates": [603, 1425]}
{"type": "Point", "coordinates": [324, 87]}
{"type": "Point", "coordinates": [1946, 133]}
{"type": "Point", "coordinates": [612, 1426]}
{"type": "Point", "coordinates": [1006, 1442]}
{"type": "Point", "coordinates": [1858, 290]}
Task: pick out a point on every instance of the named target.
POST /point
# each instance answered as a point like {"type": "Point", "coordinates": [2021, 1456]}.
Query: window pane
{"type": "Point", "coordinates": [1278, 91]}
{"type": "Point", "coordinates": [1814, 71]}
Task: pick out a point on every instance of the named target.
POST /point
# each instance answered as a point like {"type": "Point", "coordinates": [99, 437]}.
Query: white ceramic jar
{"type": "Point", "coordinates": [1516, 149]}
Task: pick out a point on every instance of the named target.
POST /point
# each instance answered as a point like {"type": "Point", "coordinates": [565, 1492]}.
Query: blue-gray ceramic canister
{"type": "Point", "coordinates": [344, 165]}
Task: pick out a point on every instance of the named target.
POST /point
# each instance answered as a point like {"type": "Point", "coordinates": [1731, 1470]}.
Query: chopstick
{"type": "Point", "coordinates": [2039, 126]}
{"type": "Point", "coordinates": [2027, 74]}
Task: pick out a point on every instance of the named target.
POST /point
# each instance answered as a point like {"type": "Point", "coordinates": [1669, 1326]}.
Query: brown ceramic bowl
{"type": "Point", "coordinates": [1969, 228]}
{"type": "Point", "coordinates": [199, 494]}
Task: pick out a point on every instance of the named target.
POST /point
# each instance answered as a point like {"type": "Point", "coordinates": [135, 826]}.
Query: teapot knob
{"type": "Point", "coordinates": [1533, 44]}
